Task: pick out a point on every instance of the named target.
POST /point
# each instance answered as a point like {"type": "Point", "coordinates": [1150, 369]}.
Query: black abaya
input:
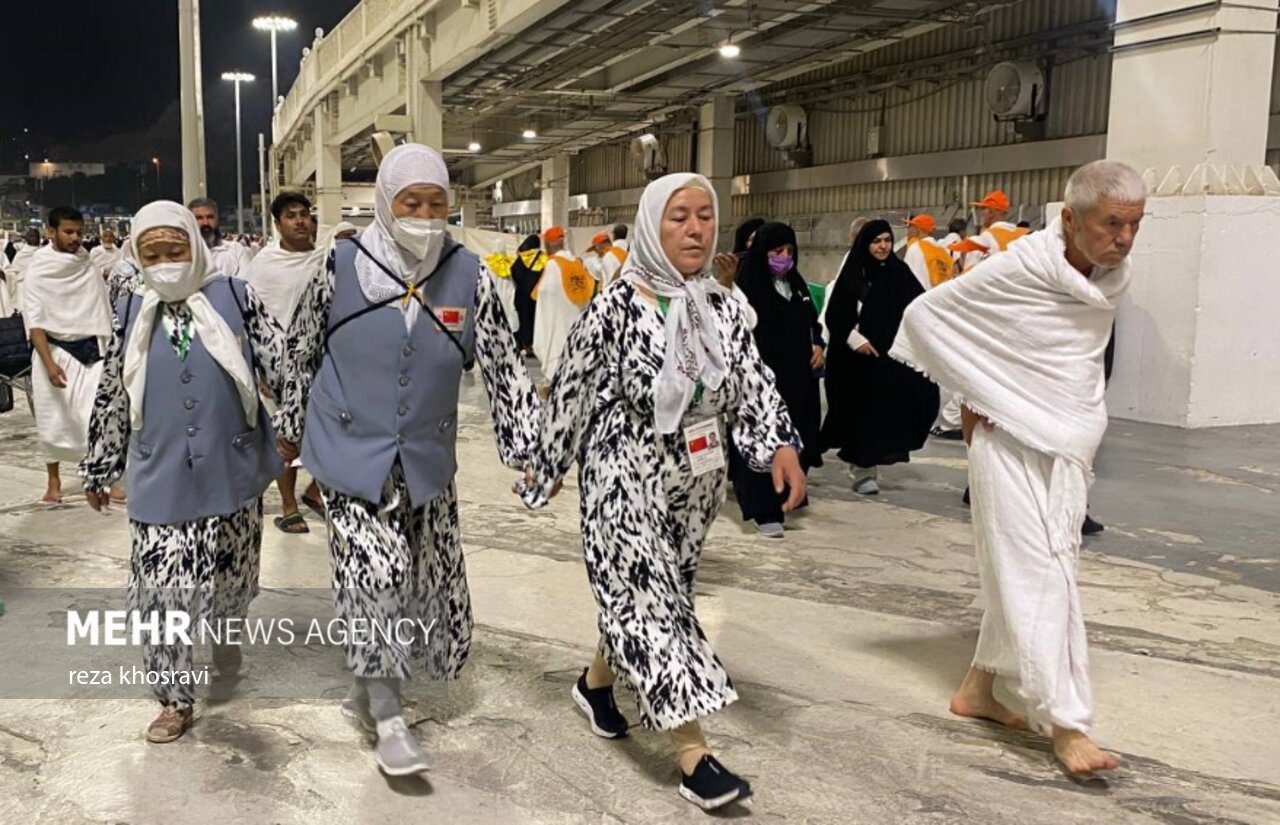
{"type": "Point", "coordinates": [786, 332]}
{"type": "Point", "coordinates": [526, 276]}
{"type": "Point", "coordinates": [878, 410]}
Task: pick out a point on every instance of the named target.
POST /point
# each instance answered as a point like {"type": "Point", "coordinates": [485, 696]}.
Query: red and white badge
{"type": "Point", "coordinates": [703, 443]}
{"type": "Point", "coordinates": [453, 318]}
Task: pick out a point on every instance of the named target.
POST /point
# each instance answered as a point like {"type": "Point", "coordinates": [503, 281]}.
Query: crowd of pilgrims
{"type": "Point", "coordinates": [245, 364]}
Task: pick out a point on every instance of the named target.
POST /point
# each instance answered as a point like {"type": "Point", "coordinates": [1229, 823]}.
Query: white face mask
{"type": "Point", "coordinates": [419, 237]}
{"type": "Point", "coordinates": [171, 281]}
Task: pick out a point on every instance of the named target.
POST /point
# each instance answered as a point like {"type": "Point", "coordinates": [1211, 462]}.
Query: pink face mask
{"type": "Point", "coordinates": [779, 264]}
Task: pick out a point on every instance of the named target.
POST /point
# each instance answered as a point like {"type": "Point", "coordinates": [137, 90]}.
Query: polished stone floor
{"type": "Point", "coordinates": [845, 640]}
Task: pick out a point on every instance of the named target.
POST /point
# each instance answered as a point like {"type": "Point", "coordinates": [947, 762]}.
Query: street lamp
{"type": "Point", "coordinates": [274, 23]}
{"type": "Point", "coordinates": [156, 162]}
{"type": "Point", "coordinates": [238, 78]}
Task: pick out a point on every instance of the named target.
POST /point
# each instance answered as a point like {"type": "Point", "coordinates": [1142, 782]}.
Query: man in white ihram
{"type": "Point", "coordinates": [1020, 340]}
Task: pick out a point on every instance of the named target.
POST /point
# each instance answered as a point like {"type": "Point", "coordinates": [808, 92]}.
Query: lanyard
{"type": "Point", "coordinates": [664, 305]}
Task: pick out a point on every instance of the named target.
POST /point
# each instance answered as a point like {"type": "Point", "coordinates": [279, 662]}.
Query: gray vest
{"type": "Point", "coordinates": [195, 455]}
{"type": "Point", "coordinates": [384, 393]}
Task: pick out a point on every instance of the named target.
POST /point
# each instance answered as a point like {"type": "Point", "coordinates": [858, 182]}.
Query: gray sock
{"type": "Point", "coordinates": [384, 696]}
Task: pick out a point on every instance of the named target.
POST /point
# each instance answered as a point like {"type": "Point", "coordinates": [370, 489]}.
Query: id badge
{"type": "Point", "coordinates": [703, 444]}
{"type": "Point", "coordinates": [453, 318]}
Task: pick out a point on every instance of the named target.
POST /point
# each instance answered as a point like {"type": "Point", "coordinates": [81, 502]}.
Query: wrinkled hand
{"type": "Point", "coordinates": [287, 449]}
{"type": "Point", "coordinates": [726, 264]}
{"type": "Point", "coordinates": [819, 358]}
{"type": "Point", "coordinates": [788, 475]}
{"type": "Point", "coordinates": [867, 349]}
{"type": "Point", "coordinates": [969, 420]}
{"type": "Point", "coordinates": [98, 501]}
{"type": "Point", "coordinates": [57, 377]}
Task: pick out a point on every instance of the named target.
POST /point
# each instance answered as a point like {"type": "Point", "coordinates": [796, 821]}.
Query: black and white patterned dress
{"type": "Point", "coordinates": [390, 560]}
{"type": "Point", "coordinates": [208, 566]}
{"type": "Point", "coordinates": [645, 516]}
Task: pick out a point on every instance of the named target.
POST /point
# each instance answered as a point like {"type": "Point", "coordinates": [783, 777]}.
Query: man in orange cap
{"type": "Point", "coordinates": [595, 259]}
{"type": "Point", "coordinates": [563, 293]}
{"type": "Point", "coordinates": [928, 260]}
{"type": "Point", "coordinates": [995, 233]}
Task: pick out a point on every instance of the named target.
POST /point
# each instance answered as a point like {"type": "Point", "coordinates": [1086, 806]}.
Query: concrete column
{"type": "Point", "coordinates": [715, 157]}
{"type": "Point", "coordinates": [1191, 83]}
{"type": "Point", "coordinates": [425, 105]}
{"type": "Point", "coordinates": [469, 210]}
{"type": "Point", "coordinates": [328, 169]}
{"type": "Point", "coordinates": [1196, 339]}
{"type": "Point", "coordinates": [555, 192]}
{"type": "Point", "coordinates": [191, 96]}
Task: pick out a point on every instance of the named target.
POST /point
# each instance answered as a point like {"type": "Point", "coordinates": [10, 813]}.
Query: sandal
{"type": "Point", "coordinates": [169, 725]}
{"type": "Point", "coordinates": [293, 523]}
{"type": "Point", "coordinates": [315, 505]}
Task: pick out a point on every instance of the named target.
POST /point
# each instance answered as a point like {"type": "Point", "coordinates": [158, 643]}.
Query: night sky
{"type": "Point", "coordinates": [97, 81]}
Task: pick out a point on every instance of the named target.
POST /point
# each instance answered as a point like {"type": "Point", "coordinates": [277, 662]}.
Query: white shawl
{"type": "Point", "coordinates": [693, 350]}
{"type": "Point", "coordinates": [63, 293]}
{"type": "Point", "coordinates": [207, 324]}
{"type": "Point", "coordinates": [279, 277]}
{"type": "Point", "coordinates": [1020, 340]}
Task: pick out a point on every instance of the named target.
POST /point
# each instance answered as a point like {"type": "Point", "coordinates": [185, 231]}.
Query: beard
{"type": "Point", "coordinates": [210, 235]}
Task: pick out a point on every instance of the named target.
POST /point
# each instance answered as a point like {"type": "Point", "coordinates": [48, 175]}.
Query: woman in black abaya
{"type": "Point", "coordinates": [526, 272]}
{"type": "Point", "coordinates": [790, 342]}
{"type": "Point", "coordinates": [878, 410]}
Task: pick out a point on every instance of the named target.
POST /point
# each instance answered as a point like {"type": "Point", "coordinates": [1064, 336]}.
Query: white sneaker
{"type": "Point", "coordinates": [398, 752]}
{"type": "Point", "coordinates": [770, 530]}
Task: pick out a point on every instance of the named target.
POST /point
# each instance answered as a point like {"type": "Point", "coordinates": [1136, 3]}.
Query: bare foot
{"type": "Point", "coordinates": [118, 496]}
{"type": "Point", "coordinates": [976, 700]}
{"type": "Point", "coordinates": [1078, 754]}
{"type": "Point", "coordinates": [52, 495]}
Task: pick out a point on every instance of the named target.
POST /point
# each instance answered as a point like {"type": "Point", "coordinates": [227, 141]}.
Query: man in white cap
{"type": "Point", "coordinates": [565, 290]}
{"type": "Point", "coordinates": [1034, 419]}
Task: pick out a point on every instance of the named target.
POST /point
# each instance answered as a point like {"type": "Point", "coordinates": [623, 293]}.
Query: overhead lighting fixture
{"type": "Point", "coordinates": [730, 50]}
{"type": "Point", "coordinates": [274, 23]}
{"type": "Point", "coordinates": [473, 146]}
{"type": "Point", "coordinates": [238, 77]}
{"type": "Point", "coordinates": [528, 134]}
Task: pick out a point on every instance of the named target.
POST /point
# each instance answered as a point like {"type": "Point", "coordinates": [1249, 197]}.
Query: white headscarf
{"type": "Point", "coordinates": [693, 344]}
{"type": "Point", "coordinates": [207, 323]}
{"type": "Point", "coordinates": [410, 164]}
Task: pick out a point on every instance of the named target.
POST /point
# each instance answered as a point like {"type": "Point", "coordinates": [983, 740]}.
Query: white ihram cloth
{"type": "Point", "coordinates": [207, 324]}
{"type": "Point", "coordinates": [230, 258]}
{"type": "Point", "coordinates": [279, 277]}
{"type": "Point", "coordinates": [6, 304]}
{"type": "Point", "coordinates": [64, 295]}
{"type": "Point", "coordinates": [1020, 340]}
{"type": "Point", "coordinates": [15, 272]}
{"type": "Point", "coordinates": [105, 257]}
{"type": "Point", "coordinates": [554, 315]}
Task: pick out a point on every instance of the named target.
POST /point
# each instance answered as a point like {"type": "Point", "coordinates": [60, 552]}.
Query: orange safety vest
{"type": "Point", "coordinates": [938, 263]}
{"type": "Point", "coordinates": [579, 285]}
{"type": "Point", "coordinates": [1004, 237]}
{"type": "Point", "coordinates": [619, 253]}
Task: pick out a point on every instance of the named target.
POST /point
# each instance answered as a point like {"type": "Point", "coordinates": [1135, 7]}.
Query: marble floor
{"type": "Point", "coordinates": [845, 640]}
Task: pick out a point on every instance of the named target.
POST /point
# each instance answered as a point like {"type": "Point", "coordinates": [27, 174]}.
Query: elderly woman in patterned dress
{"type": "Point", "coordinates": [177, 409]}
{"type": "Point", "coordinates": [652, 373]}
{"type": "Point", "coordinates": [377, 347]}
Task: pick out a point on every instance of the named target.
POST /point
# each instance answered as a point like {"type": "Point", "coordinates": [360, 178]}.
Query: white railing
{"type": "Point", "coordinates": [356, 36]}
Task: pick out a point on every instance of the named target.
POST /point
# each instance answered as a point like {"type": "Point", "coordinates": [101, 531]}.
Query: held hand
{"type": "Point", "coordinates": [57, 377]}
{"type": "Point", "coordinates": [970, 419]}
{"type": "Point", "coordinates": [264, 390]}
{"type": "Point", "coordinates": [528, 485]}
{"type": "Point", "coordinates": [98, 501]}
{"type": "Point", "coordinates": [726, 264]}
{"type": "Point", "coordinates": [819, 357]}
{"type": "Point", "coordinates": [287, 449]}
{"type": "Point", "coordinates": [788, 475]}
{"type": "Point", "coordinates": [867, 349]}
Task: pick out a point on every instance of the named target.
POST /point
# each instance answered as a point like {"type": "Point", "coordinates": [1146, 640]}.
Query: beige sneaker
{"type": "Point", "coordinates": [169, 725]}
